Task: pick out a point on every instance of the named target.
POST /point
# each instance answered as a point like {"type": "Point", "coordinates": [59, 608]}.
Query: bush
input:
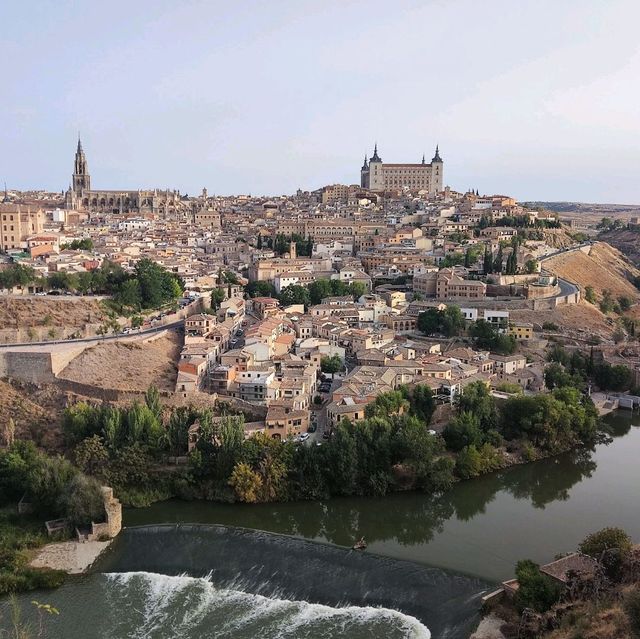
{"type": "Point", "coordinates": [607, 538]}
{"type": "Point", "coordinates": [510, 387]}
{"type": "Point", "coordinates": [549, 326]}
{"type": "Point", "coordinates": [82, 500]}
{"type": "Point", "coordinates": [610, 546]}
{"type": "Point", "coordinates": [535, 590]}
{"type": "Point", "coordinates": [632, 609]}
{"type": "Point", "coordinates": [528, 453]}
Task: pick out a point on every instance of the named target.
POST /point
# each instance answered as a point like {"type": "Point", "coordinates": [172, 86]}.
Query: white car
{"type": "Point", "coordinates": [304, 437]}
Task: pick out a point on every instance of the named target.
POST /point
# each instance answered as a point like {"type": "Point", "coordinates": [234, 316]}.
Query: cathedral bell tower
{"type": "Point", "coordinates": [81, 180]}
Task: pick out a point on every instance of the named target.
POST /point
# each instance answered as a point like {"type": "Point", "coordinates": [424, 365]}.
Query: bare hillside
{"type": "Point", "coordinates": [627, 241]}
{"type": "Point", "coordinates": [605, 268]}
{"type": "Point", "coordinates": [128, 366]}
{"type": "Point", "coordinates": [580, 320]}
{"type": "Point", "coordinates": [16, 312]}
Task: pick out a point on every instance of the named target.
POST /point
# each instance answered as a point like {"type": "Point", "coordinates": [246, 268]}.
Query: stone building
{"type": "Point", "coordinates": [81, 196]}
{"type": "Point", "coordinates": [379, 176]}
{"type": "Point", "coordinates": [17, 223]}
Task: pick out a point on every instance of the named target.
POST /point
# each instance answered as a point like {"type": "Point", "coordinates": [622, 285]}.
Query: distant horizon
{"type": "Point", "coordinates": [537, 100]}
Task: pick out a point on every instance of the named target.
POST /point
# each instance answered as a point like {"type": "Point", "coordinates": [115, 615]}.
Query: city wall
{"type": "Point", "coordinates": [37, 366]}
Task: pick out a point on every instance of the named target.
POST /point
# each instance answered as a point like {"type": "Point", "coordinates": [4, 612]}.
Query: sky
{"type": "Point", "coordinates": [539, 99]}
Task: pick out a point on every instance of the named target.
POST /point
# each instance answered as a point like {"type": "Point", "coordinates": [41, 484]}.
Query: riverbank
{"type": "Point", "coordinates": [72, 557]}
{"type": "Point", "coordinates": [480, 527]}
{"type": "Point", "coordinates": [489, 628]}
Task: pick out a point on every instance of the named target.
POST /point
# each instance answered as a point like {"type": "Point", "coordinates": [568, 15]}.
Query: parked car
{"type": "Point", "coordinates": [312, 428]}
{"type": "Point", "coordinates": [304, 437]}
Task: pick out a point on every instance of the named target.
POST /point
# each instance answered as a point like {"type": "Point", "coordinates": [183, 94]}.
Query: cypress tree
{"type": "Point", "coordinates": [488, 262]}
{"type": "Point", "coordinates": [497, 263]}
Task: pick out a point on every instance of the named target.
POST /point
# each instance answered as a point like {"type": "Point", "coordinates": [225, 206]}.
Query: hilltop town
{"type": "Point", "coordinates": [300, 310]}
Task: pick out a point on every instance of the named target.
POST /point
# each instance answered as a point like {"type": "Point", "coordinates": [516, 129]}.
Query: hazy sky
{"type": "Point", "coordinates": [534, 98]}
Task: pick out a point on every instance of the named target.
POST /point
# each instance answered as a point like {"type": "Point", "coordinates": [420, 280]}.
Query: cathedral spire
{"type": "Point", "coordinates": [80, 180]}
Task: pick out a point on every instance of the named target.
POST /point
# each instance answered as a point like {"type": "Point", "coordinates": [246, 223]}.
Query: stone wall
{"type": "Point", "coordinates": [27, 334]}
{"type": "Point", "coordinates": [36, 366]}
{"type": "Point", "coordinates": [113, 524]}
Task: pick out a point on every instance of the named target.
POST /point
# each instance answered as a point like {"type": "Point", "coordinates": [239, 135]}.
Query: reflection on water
{"type": "Point", "coordinates": [482, 526]}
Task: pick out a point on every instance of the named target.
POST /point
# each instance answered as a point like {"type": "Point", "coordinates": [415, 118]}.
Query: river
{"type": "Point", "coordinates": [428, 560]}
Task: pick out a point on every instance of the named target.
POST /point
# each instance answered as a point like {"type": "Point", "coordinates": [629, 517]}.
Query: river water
{"type": "Point", "coordinates": [428, 560]}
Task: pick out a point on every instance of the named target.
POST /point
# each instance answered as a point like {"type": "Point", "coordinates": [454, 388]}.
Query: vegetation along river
{"type": "Point", "coordinates": [427, 563]}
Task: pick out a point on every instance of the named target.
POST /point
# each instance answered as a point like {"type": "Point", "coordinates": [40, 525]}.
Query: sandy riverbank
{"type": "Point", "coordinates": [489, 628]}
{"type": "Point", "coordinates": [71, 556]}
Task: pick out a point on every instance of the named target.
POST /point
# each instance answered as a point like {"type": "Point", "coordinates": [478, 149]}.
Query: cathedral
{"type": "Point", "coordinates": [81, 197]}
{"type": "Point", "coordinates": [381, 176]}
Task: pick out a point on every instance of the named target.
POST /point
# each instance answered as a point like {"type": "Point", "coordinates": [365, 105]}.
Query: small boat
{"type": "Point", "coordinates": [361, 544]}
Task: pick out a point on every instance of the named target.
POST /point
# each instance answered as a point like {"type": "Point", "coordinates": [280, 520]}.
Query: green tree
{"type": "Point", "coordinates": [462, 431]}
{"type": "Point", "coordinates": [331, 364]}
{"type": "Point", "coordinates": [319, 289]}
{"type": "Point", "coordinates": [246, 483]}
{"type": "Point", "coordinates": [535, 590]}
{"type": "Point", "coordinates": [449, 322]}
{"type": "Point", "coordinates": [295, 294]}
{"type": "Point", "coordinates": [357, 289]}
{"type": "Point", "coordinates": [468, 463]}
{"type": "Point", "coordinates": [606, 539]}
{"type": "Point", "coordinates": [92, 456]}
{"type": "Point", "coordinates": [497, 262]}
{"type": "Point", "coordinates": [590, 295]}
{"type": "Point", "coordinates": [421, 401]}
{"type": "Point", "coordinates": [152, 400]}
{"type": "Point", "coordinates": [217, 297]}
{"type": "Point", "coordinates": [84, 282]}
{"type": "Point", "coordinates": [487, 261]}
{"type": "Point", "coordinates": [260, 289]}
{"type": "Point", "coordinates": [625, 303]}
{"type": "Point", "coordinates": [531, 266]}
{"type": "Point", "coordinates": [81, 500]}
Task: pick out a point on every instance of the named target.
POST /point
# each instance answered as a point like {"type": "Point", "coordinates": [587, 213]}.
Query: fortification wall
{"type": "Point", "coordinates": [36, 366]}
{"type": "Point", "coordinates": [27, 334]}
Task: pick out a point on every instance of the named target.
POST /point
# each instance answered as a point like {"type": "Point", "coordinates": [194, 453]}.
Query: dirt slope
{"type": "Point", "coordinates": [627, 241]}
{"type": "Point", "coordinates": [605, 268]}
{"type": "Point", "coordinates": [581, 320]}
{"type": "Point", "coordinates": [49, 311]}
{"type": "Point", "coordinates": [17, 406]}
{"type": "Point", "coordinates": [131, 366]}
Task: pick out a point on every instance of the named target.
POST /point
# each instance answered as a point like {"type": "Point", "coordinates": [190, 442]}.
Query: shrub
{"type": "Point", "coordinates": [528, 453]}
{"type": "Point", "coordinates": [468, 463]}
{"type": "Point", "coordinates": [632, 609]}
{"type": "Point", "coordinates": [549, 326]}
{"type": "Point", "coordinates": [610, 546]}
{"type": "Point", "coordinates": [535, 590]}
{"type": "Point", "coordinates": [596, 543]}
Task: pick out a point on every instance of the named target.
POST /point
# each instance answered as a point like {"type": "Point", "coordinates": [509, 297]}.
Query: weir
{"type": "Point", "coordinates": [288, 568]}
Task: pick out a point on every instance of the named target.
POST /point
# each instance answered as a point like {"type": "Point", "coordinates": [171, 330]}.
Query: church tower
{"type": "Point", "coordinates": [81, 179]}
{"type": "Point", "coordinates": [364, 174]}
{"type": "Point", "coordinates": [437, 170]}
